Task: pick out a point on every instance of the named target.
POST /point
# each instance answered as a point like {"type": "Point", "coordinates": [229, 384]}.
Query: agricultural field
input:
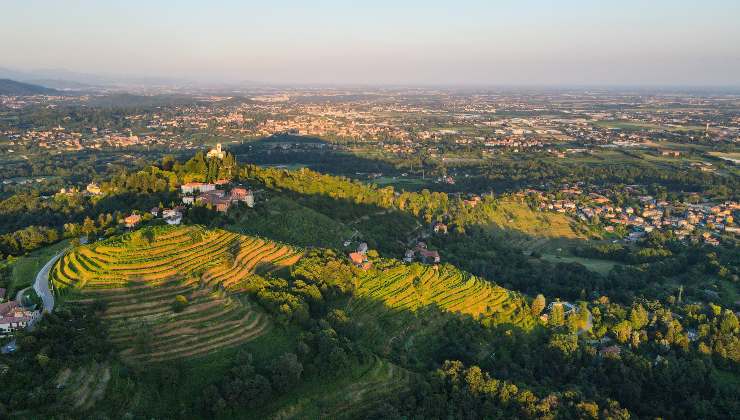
{"type": "Point", "coordinates": [407, 290]}
{"type": "Point", "coordinates": [170, 293]}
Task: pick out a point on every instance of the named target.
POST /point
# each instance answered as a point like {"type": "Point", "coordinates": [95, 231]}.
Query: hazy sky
{"type": "Point", "coordinates": [493, 42]}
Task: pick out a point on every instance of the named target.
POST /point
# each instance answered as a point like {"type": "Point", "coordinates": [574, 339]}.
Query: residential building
{"type": "Point", "coordinates": [193, 187]}
{"type": "Point", "coordinates": [132, 220]}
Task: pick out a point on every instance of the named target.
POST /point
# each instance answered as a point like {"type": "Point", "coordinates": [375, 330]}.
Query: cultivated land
{"type": "Point", "coordinates": [407, 300]}
{"type": "Point", "coordinates": [171, 293]}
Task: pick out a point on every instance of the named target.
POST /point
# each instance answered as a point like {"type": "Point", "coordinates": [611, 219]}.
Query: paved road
{"type": "Point", "coordinates": [41, 285]}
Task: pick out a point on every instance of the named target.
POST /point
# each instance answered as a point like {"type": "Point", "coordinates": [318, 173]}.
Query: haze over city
{"type": "Point", "coordinates": [382, 42]}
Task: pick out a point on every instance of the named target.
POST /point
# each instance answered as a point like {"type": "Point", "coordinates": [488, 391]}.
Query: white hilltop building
{"type": "Point", "coordinates": [217, 152]}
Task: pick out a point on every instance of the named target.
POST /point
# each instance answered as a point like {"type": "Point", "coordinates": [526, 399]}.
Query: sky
{"type": "Point", "coordinates": [408, 42]}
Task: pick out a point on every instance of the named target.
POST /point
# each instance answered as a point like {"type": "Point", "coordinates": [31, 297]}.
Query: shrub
{"type": "Point", "coordinates": [180, 303]}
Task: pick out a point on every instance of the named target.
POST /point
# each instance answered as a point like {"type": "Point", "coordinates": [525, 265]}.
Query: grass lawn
{"type": "Point", "coordinates": [27, 266]}
{"type": "Point", "coordinates": [287, 221]}
{"type": "Point", "coordinates": [728, 293]}
{"type": "Point", "coordinates": [404, 183]}
{"type": "Point", "coordinates": [593, 264]}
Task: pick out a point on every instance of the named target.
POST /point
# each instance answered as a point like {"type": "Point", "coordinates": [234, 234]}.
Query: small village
{"type": "Point", "coordinates": [634, 221]}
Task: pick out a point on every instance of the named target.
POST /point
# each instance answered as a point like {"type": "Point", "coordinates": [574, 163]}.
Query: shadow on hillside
{"type": "Point", "coordinates": [499, 253]}
{"type": "Point", "coordinates": [540, 361]}
{"type": "Point", "coordinates": [313, 152]}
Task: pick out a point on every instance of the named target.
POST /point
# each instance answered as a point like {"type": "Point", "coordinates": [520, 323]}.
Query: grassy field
{"type": "Point", "coordinates": [401, 183]}
{"type": "Point", "coordinates": [512, 215]}
{"type": "Point", "coordinates": [26, 267]}
{"type": "Point", "coordinates": [285, 220]}
{"type": "Point", "coordinates": [595, 265]}
{"type": "Point", "coordinates": [172, 293]}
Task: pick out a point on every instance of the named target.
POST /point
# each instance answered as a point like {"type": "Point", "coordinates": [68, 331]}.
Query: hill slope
{"type": "Point", "coordinates": [11, 87]}
{"type": "Point", "coordinates": [166, 291]}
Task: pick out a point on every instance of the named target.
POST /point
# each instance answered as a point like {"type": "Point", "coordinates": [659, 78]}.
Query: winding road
{"type": "Point", "coordinates": [41, 285]}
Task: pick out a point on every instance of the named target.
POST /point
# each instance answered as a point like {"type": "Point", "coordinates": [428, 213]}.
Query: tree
{"type": "Point", "coordinates": [622, 331]}
{"type": "Point", "coordinates": [257, 390]}
{"type": "Point", "coordinates": [538, 305]}
{"type": "Point", "coordinates": [88, 227]}
{"type": "Point", "coordinates": [557, 316]}
{"type": "Point", "coordinates": [286, 372]}
{"type": "Point", "coordinates": [180, 303]}
{"type": "Point", "coordinates": [638, 317]}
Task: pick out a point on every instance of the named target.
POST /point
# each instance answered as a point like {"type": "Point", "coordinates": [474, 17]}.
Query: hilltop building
{"type": "Point", "coordinates": [216, 153]}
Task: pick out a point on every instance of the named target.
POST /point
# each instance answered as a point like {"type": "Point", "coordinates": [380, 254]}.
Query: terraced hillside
{"type": "Point", "coordinates": [172, 292]}
{"type": "Point", "coordinates": [416, 287]}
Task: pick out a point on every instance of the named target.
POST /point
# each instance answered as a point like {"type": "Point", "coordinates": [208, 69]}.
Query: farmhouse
{"type": "Point", "coordinates": [360, 260]}
{"type": "Point", "coordinates": [440, 228]}
{"type": "Point", "coordinates": [428, 256]}
{"type": "Point", "coordinates": [215, 199]}
{"type": "Point", "coordinates": [425, 255]}
{"type": "Point", "coordinates": [132, 220]}
{"type": "Point", "coordinates": [242, 194]}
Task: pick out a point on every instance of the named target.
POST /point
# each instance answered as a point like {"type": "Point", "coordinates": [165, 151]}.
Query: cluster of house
{"type": "Point", "coordinates": [14, 317]}
{"type": "Point", "coordinates": [359, 257]}
{"type": "Point", "coordinates": [207, 194]}
{"type": "Point", "coordinates": [650, 214]}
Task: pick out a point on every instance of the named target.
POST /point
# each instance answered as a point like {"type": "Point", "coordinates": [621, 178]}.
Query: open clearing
{"type": "Point", "coordinates": [595, 265]}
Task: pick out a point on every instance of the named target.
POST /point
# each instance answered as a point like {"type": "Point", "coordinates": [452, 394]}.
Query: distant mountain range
{"type": "Point", "coordinates": [12, 87]}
